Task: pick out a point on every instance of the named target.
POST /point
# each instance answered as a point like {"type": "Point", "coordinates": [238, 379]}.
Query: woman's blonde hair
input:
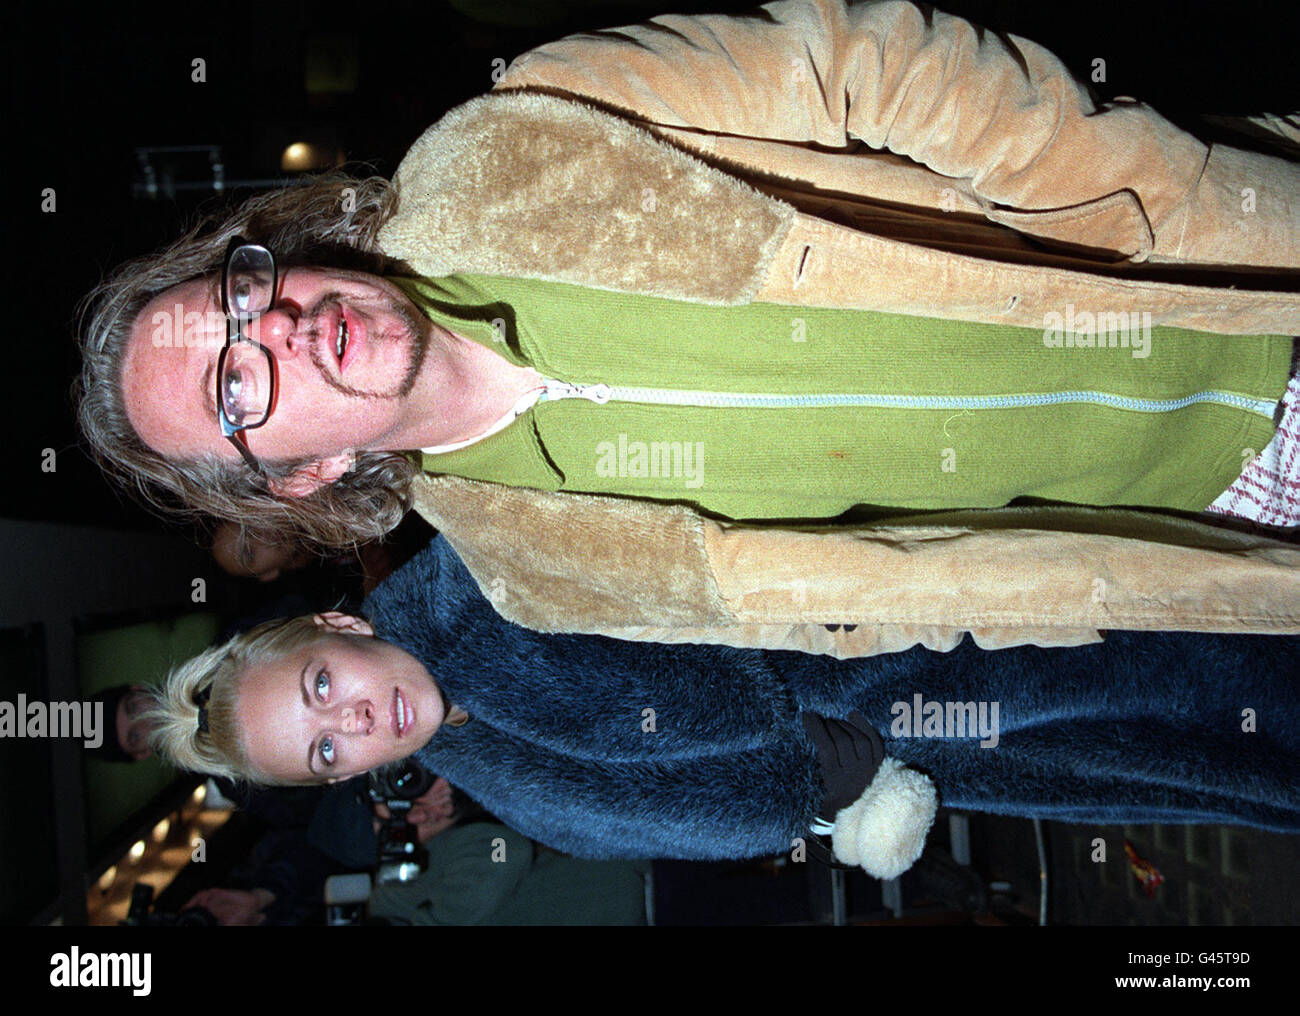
{"type": "Point", "coordinates": [216, 675]}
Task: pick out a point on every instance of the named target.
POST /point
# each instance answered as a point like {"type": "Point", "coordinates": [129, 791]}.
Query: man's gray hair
{"type": "Point", "coordinates": [330, 222]}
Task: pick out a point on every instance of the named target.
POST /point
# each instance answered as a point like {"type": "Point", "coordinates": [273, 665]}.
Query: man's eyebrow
{"type": "Point", "coordinates": [208, 393]}
{"type": "Point", "coordinates": [208, 397]}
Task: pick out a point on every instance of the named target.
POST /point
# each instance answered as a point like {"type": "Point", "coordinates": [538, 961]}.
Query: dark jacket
{"type": "Point", "coordinates": [606, 748]}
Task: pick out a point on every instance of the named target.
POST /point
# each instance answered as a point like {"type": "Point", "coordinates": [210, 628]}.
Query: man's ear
{"type": "Point", "coordinates": [311, 477]}
{"type": "Point", "coordinates": [343, 624]}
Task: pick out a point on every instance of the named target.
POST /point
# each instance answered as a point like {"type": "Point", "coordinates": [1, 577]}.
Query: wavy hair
{"type": "Point", "coordinates": [331, 221]}
{"type": "Point", "coordinates": [173, 712]}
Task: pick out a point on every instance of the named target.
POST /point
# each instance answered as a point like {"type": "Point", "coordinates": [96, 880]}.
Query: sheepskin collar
{"type": "Point", "coordinates": [531, 185]}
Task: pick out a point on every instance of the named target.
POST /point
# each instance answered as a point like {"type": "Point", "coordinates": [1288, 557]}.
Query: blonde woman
{"type": "Point", "coordinates": [606, 748]}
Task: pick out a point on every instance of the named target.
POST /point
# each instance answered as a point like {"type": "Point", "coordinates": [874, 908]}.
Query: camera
{"type": "Point", "coordinates": [139, 915]}
{"type": "Point", "coordinates": [401, 857]}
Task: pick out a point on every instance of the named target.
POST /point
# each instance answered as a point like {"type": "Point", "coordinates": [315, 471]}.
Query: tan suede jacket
{"type": "Point", "coordinates": [865, 156]}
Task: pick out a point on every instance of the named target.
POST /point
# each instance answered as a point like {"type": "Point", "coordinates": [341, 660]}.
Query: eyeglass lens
{"type": "Point", "coordinates": [250, 282]}
{"type": "Point", "coordinates": [245, 384]}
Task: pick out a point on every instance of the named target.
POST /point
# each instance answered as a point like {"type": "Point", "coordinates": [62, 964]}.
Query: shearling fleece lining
{"type": "Point", "coordinates": [565, 192]}
{"type": "Point", "coordinates": [648, 554]}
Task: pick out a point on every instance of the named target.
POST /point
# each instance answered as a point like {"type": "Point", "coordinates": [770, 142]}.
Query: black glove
{"type": "Point", "coordinates": [849, 752]}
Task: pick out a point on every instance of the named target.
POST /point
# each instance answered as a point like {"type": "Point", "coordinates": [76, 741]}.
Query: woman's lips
{"type": "Point", "coordinates": [403, 714]}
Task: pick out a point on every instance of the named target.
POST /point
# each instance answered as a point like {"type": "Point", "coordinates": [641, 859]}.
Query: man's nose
{"type": "Point", "coordinates": [358, 719]}
{"type": "Point", "coordinates": [278, 330]}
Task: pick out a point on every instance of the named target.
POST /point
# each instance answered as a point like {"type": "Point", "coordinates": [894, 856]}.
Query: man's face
{"type": "Point", "coordinates": [325, 403]}
{"type": "Point", "coordinates": [252, 557]}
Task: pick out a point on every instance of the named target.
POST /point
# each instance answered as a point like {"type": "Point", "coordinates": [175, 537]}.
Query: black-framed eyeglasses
{"type": "Point", "coordinates": [245, 371]}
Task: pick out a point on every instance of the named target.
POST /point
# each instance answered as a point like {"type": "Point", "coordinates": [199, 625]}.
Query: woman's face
{"type": "Point", "coordinates": [341, 706]}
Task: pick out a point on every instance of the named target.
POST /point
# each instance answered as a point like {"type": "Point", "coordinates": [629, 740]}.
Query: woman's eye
{"type": "Point", "coordinates": [327, 750]}
{"type": "Point", "coordinates": [322, 685]}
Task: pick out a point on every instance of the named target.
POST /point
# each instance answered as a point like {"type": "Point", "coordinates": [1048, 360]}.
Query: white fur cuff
{"type": "Point", "coordinates": [884, 830]}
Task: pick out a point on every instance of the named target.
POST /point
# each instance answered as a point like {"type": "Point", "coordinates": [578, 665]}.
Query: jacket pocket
{"type": "Point", "coordinates": [1113, 227]}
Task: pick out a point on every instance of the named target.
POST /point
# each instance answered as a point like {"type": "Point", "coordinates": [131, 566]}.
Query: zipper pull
{"type": "Point", "coordinates": [598, 393]}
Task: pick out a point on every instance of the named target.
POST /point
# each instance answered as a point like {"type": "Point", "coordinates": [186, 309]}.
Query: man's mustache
{"type": "Point", "coordinates": [412, 332]}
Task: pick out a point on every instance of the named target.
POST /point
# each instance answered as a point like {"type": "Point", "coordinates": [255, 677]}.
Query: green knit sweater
{"type": "Point", "coordinates": [858, 408]}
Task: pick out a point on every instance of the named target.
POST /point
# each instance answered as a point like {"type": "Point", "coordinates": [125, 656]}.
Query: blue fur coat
{"type": "Point", "coordinates": [605, 748]}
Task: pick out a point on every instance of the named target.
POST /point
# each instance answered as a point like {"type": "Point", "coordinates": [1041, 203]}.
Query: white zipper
{"type": "Point", "coordinates": [565, 390]}
{"type": "Point", "coordinates": [602, 393]}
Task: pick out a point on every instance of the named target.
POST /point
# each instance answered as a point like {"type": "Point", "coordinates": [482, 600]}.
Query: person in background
{"type": "Point", "coordinates": [486, 873]}
{"type": "Point", "coordinates": [247, 555]}
{"type": "Point", "coordinates": [125, 704]}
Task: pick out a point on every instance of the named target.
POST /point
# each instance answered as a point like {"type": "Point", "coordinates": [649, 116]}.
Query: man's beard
{"type": "Point", "coordinates": [415, 327]}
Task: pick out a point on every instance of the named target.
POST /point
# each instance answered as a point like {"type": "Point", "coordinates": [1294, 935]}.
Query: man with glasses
{"type": "Point", "coordinates": [245, 370]}
{"type": "Point", "coordinates": [341, 356]}
{"type": "Point", "coordinates": [711, 334]}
